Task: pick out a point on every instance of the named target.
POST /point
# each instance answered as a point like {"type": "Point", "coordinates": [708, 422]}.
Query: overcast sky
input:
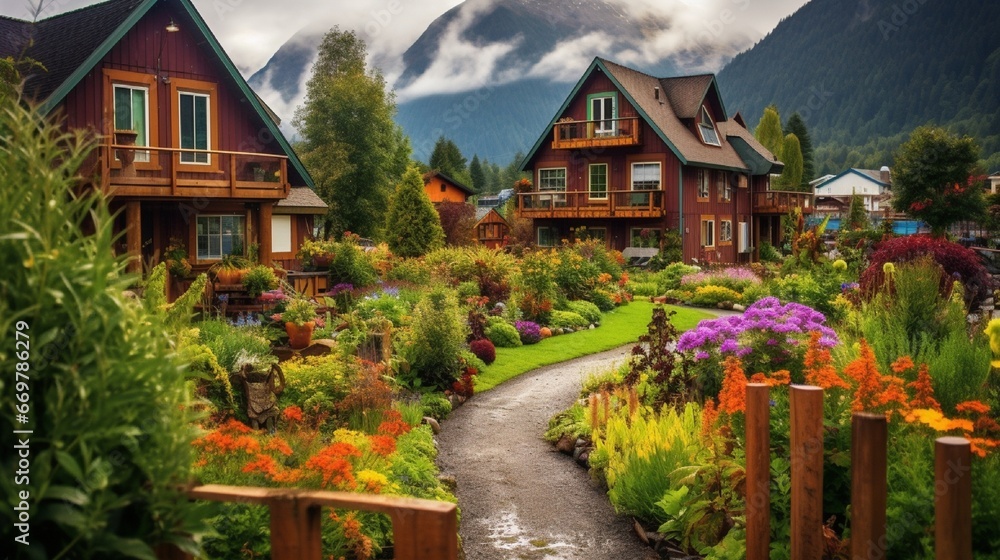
{"type": "Point", "coordinates": [252, 30]}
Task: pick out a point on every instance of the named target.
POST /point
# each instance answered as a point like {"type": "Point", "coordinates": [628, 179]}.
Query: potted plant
{"type": "Point", "coordinates": [258, 280]}
{"type": "Point", "coordinates": [176, 257]}
{"type": "Point", "coordinates": [300, 320]}
{"type": "Point", "coordinates": [230, 269]}
{"type": "Point", "coordinates": [316, 254]}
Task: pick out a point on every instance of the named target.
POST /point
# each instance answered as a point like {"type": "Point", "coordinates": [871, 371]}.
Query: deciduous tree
{"type": "Point", "coordinates": [768, 130]}
{"type": "Point", "coordinates": [458, 219]}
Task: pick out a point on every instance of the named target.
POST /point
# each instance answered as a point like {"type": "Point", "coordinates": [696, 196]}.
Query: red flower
{"type": "Point", "coordinates": [292, 414]}
{"type": "Point", "coordinates": [382, 445]}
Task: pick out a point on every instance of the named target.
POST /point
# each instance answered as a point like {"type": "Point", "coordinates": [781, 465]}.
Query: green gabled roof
{"type": "Point", "coordinates": [597, 63]}
{"type": "Point", "coordinates": [137, 12]}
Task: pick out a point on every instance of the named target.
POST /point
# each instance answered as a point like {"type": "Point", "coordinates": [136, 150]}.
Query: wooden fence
{"type": "Point", "coordinates": [869, 432]}
{"type": "Point", "coordinates": [421, 529]}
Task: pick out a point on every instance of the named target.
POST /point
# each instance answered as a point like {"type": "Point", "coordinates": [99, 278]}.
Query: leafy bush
{"type": "Point", "coordinates": [536, 289]}
{"type": "Point", "coordinates": [586, 309]}
{"type": "Point", "coordinates": [502, 334]}
{"type": "Point", "coordinates": [349, 265]}
{"type": "Point", "coordinates": [710, 296]}
{"type": "Point", "coordinates": [413, 271]}
{"type": "Point", "coordinates": [529, 332]}
{"type": "Point", "coordinates": [959, 263]}
{"type": "Point", "coordinates": [229, 343]}
{"type": "Point", "coordinates": [602, 300]}
{"type": "Point", "coordinates": [490, 268]}
{"type": "Point", "coordinates": [385, 303]}
{"type": "Point", "coordinates": [317, 383]}
{"type": "Point", "coordinates": [437, 336]}
{"type": "Point", "coordinates": [436, 405]}
{"type": "Point", "coordinates": [670, 277]}
{"type": "Point", "coordinates": [108, 398]}
{"type": "Point", "coordinates": [817, 290]}
{"type": "Point", "coordinates": [734, 278]}
{"type": "Point", "coordinates": [484, 350]}
{"type": "Point", "coordinates": [259, 279]}
{"type": "Point", "coordinates": [567, 319]}
{"type": "Point", "coordinates": [467, 290]}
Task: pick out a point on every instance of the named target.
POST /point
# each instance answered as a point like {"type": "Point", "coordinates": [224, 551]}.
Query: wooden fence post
{"type": "Point", "coordinates": [807, 472]}
{"type": "Point", "coordinates": [952, 499]}
{"type": "Point", "coordinates": [758, 456]}
{"type": "Point", "coordinates": [295, 529]}
{"type": "Point", "coordinates": [869, 438]}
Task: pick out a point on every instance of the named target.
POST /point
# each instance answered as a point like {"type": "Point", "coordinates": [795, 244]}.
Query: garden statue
{"type": "Point", "coordinates": [261, 391]}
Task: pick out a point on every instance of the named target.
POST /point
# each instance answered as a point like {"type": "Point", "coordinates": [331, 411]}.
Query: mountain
{"type": "Point", "coordinates": [864, 73]}
{"type": "Point", "coordinates": [489, 74]}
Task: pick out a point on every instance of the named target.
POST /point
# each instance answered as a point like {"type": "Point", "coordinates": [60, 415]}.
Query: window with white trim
{"type": "Point", "coordinates": [703, 186]}
{"type": "Point", "coordinates": [132, 113]}
{"type": "Point", "coordinates": [708, 232]}
{"type": "Point", "coordinates": [726, 232]}
{"type": "Point", "coordinates": [646, 176]}
{"type": "Point", "coordinates": [707, 129]}
{"type": "Point", "coordinates": [602, 109]}
{"type": "Point", "coordinates": [552, 179]}
{"type": "Point", "coordinates": [598, 181]}
{"type": "Point", "coordinates": [220, 235]}
{"type": "Point", "coordinates": [195, 133]}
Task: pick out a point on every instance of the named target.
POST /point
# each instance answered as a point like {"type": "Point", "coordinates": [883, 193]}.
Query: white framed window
{"type": "Point", "coordinates": [704, 187]}
{"type": "Point", "coordinates": [644, 237]}
{"type": "Point", "coordinates": [220, 235]}
{"type": "Point", "coordinates": [552, 179]}
{"type": "Point", "coordinates": [602, 108]}
{"type": "Point", "coordinates": [707, 129]}
{"type": "Point", "coordinates": [281, 234]}
{"type": "Point", "coordinates": [546, 237]}
{"type": "Point", "coordinates": [194, 126]}
{"type": "Point", "coordinates": [726, 232]}
{"type": "Point", "coordinates": [598, 181]}
{"type": "Point", "coordinates": [132, 113]}
{"type": "Point", "coordinates": [708, 232]}
{"type": "Point", "coordinates": [646, 176]}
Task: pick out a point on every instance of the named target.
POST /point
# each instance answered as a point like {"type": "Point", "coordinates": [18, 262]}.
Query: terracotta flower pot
{"type": "Point", "coordinates": [228, 276]}
{"type": "Point", "coordinates": [322, 261]}
{"type": "Point", "coordinates": [299, 336]}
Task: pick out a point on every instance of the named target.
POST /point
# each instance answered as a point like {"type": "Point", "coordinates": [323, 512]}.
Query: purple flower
{"type": "Point", "coordinates": [530, 332]}
{"type": "Point", "coordinates": [701, 355]}
{"type": "Point", "coordinates": [728, 345]}
{"type": "Point", "coordinates": [342, 287]}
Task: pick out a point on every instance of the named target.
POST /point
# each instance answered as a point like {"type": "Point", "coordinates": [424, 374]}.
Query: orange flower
{"type": "Point", "coordinates": [759, 378]}
{"type": "Point", "coordinates": [292, 414]}
{"type": "Point", "coordinates": [733, 396]}
{"type": "Point", "coordinates": [264, 464]}
{"type": "Point", "coordinates": [331, 462]}
{"type": "Point", "coordinates": [903, 363]}
{"type": "Point", "coordinates": [287, 476]}
{"type": "Point", "coordinates": [981, 446]}
{"type": "Point", "coordinates": [382, 445]}
{"type": "Point", "coordinates": [818, 368]}
{"type": "Point", "coordinates": [892, 394]}
{"type": "Point", "coordinates": [937, 421]}
{"type": "Point", "coordinates": [394, 428]}
{"type": "Point", "coordinates": [865, 373]}
{"type": "Point", "coordinates": [975, 407]}
{"type": "Point", "coordinates": [279, 445]}
{"type": "Point", "coordinates": [709, 415]}
{"type": "Point", "coordinates": [780, 377]}
{"type": "Point", "coordinates": [924, 389]}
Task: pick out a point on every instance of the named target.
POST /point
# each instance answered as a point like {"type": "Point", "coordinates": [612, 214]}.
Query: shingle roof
{"type": "Point", "coordinates": [14, 35]}
{"type": "Point", "coordinates": [301, 200]}
{"type": "Point", "coordinates": [641, 88]}
{"type": "Point", "coordinates": [63, 42]}
{"type": "Point", "coordinates": [874, 174]}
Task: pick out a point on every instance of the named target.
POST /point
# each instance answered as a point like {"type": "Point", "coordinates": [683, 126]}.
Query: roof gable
{"type": "Point", "coordinates": [70, 45]}
{"type": "Point", "coordinates": [853, 172]}
{"type": "Point", "coordinates": [458, 185]}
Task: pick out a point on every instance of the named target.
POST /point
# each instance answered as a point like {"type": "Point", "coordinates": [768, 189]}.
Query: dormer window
{"type": "Point", "coordinates": [707, 129]}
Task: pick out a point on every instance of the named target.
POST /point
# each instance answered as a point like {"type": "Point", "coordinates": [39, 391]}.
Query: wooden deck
{"type": "Point", "coordinates": [576, 204]}
{"type": "Point", "coordinates": [574, 135]}
{"type": "Point", "coordinates": [782, 202]}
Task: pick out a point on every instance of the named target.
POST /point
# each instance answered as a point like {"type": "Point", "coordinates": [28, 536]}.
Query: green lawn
{"type": "Point", "coordinates": [619, 327]}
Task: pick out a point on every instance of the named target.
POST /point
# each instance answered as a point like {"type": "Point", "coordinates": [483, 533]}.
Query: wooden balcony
{"type": "Point", "coordinates": [580, 204]}
{"type": "Point", "coordinates": [572, 135]}
{"type": "Point", "coordinates": [160, 172]}
{"type": "Point", "coordinates": [782, 202]}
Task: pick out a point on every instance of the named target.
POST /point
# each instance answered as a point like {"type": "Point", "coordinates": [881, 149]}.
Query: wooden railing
{"type": "Point", "coordinates": [869, 440]}
{"type": "Point", "coordinates": [421, 529]}
{"type": "Point", "coordinates": [582, 204]}
{"type": "Point", "coordinates": [157, 171]}
{"type": "Point", "coordinates": [782, 202]}
{"type": "Point", "coordinates": [569, 135]}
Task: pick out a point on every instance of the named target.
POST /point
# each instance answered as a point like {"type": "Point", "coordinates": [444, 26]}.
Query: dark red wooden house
{"type": "Point", "coordinates": [630, 156]}
{"type": "Point", "coordinates": [187, 149]}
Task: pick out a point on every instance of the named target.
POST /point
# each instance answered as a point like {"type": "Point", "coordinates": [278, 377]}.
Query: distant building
{"type": "Point", "coordinates": [833, 193]}
{"type": "Point", "coordinates": [994, 182]}
{"type": "Point", "coordinates": [495, 200]}
{"type": "Point", "coordinates": [491, 228]}
{"type": "Point", "coordinates": [441, 188]}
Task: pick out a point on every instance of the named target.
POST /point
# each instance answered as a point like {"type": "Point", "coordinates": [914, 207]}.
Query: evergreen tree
{"type": "Point", "coordinates": [857, 216]}
{"type": "Point", "coordinates": [495, 179]}
{"type": "Point", "coordinates": [351, 146]}
{"type": "Point", "coordinates": [791, 155]}
{"type": "Point", "coordinates": [413, 227]}
{"type": "Point", "coordinates": [511, 173]}
{"type": "Point", "coordinates": [477, 175]}
{"type": "Point", "coordinates": [932, 178]}
{"type": "Point", "coordinates": [768, 131]}
{"type": "Point", "coordinates": [447, 158]}
{"type": "Point", "coordinates": [797, 126]}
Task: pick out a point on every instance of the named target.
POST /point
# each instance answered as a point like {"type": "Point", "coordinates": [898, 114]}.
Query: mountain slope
{"type": "Point", "coordinates": [864, 73]}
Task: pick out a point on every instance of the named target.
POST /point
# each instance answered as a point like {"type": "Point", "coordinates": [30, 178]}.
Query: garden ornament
{"type": "Point", "coordinates": [261, 392]}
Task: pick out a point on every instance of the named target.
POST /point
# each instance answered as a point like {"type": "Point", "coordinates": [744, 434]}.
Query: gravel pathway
{"type": "Point", "coordinates": [519, 498]}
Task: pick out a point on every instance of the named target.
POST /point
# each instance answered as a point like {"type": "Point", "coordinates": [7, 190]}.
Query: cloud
{"type": "Point", "coordinates": [569, 59]}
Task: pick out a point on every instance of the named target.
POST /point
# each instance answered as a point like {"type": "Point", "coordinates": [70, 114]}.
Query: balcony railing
{"type": "Point", "coordinates": [568, 135]}
{"type": "Point", "coordinates": [154, 171]}
{"type": "Point", "coordinates": [583, 204]}
{"type": "Point", "coordinates": [782, 202]}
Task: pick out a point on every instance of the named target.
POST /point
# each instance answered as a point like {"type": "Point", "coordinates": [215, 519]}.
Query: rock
{"type": "Point", "coordinates": [591, 326]}
{"type": "Point", "coordinates": [565, 444]}
{"type": "Point", "coordinates": [435, 427]}
{"type": "Point", "coordinates": [577, 451]}
{"type": "Point", "coordinates": [584, 458]}
{"type": "Point", "coordinates": [319, 347]}
{"type": "Point", "coordinates": [448, 481]}
{"type": "Point", "coordinates": [639, 530]}
{"type": "Point", "coordinates": [659, 299]}
{"type": "Point", "coordinates": [738, 307]}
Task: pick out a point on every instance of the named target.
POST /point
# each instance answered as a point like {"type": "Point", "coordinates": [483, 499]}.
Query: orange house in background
{"type": "Point", "coordinates": [442, 188]}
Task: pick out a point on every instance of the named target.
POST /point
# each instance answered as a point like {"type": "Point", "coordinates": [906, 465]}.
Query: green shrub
{"type": "Point", "coordinates": [111, 449]}
{"type": "Point", "coordinates": [317, 383]}
{"type": "Point", "coordinates": [567, 319]}
{"type": "Point", "coordinates": [413, 271]}
{"type": "Point", "coordinates": [815, 290]}
{"type": "Point", "coordinates": [503, 334]}
{"type": "Point", "coordinates": [711, 296]}
{"type": "Point", "coordinates": [385, 304]}
{"type": "Point", "coordinates": [436, 340]}
{"type": "Point", "coordinates": [602, 300]}
{"type": "Point", "coordinates": [436, 405]}
{"type": "Point", "coordinates": [536, 290]}
{"type": "Point", "coordinates": [259, 279]}
{"type": "Point", "coordinates": [587, 310]}
{"type": "Point", "coordinates": [349, 266]}
{"type": "Point", "coordinates": [231, 345]}
{"type": "Point", "coordinates": [670, 277]}
{"type": "Point", "coordinates": [467, 290]}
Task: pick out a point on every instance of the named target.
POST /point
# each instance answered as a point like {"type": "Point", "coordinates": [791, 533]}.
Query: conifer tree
{"type": "Point", "coordinates": [768, 130]}
{"type": "Point", "coordinates": [857, 216]}
{"type": "Point", "coordinates": [797, 126]}
{"type": "Point", "coordinates": [413, 227]}
{"type": "Point", "coordinates": [791, 155]}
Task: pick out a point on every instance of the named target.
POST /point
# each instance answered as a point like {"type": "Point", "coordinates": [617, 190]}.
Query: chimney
{"type": "Point", "coordinates": [883, 174]}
